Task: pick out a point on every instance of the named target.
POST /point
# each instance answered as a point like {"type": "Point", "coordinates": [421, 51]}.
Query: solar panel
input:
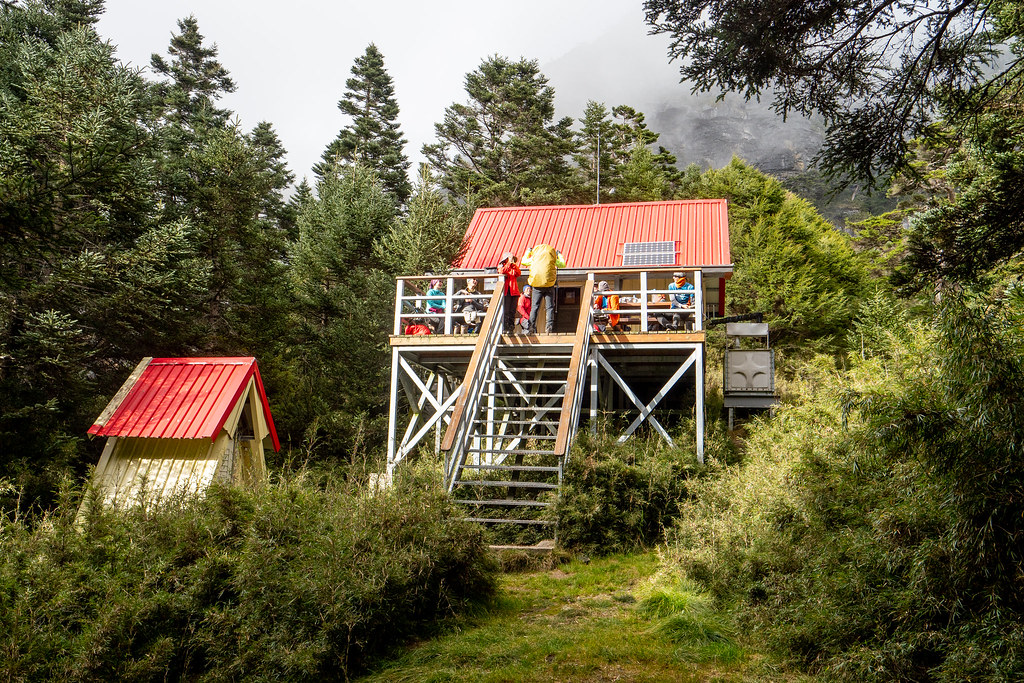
{"type": "Point", "coordinates": [649, 253]}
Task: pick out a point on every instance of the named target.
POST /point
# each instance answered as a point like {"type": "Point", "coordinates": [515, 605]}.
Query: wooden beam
{"type": "Point", "coordinates": [577, 361]}
{"type": "Point", "coordinates": [636, 402]}
{"type": "Point", "coordinates": [119, 397]}
{"type": "Point", "coordinates": [491, 319]}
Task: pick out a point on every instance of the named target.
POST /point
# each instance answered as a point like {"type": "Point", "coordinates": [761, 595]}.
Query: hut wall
{"type": "Point", "coordinates": [149, 470]}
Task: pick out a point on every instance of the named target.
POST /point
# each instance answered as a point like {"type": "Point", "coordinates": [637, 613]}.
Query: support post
{"type": "Point", "coordinates": [698, 388]}
{"type": "Point", "coordinates": [698, 301]}
{"type": "Point", "coordinates": [592, 360]}
{"type": "Point", "coordinates": [399, 295]}
{"type": "Point", "coordinates": [393, 405]}
{"type": "Point", "coordinates": [643, 301]}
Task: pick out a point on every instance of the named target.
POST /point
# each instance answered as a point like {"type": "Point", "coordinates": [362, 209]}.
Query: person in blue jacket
{"type": "Point", "coordinates": [684, 300]}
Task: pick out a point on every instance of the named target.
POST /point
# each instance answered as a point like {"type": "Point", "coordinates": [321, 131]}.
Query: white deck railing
{"type": "Point", "coordinates": [635, 305]}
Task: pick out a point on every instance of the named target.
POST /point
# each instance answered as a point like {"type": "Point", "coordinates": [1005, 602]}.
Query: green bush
{"type": "Point", "coordinates": [293, 583]}
{"type": "Point", "coordinates": [873, 532]}
{"type": "Point", "coordinates": [618, 497]}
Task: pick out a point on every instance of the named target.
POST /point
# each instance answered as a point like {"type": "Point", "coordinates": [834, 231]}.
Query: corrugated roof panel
{"type": "Point", "coordinates": [592, 236]}
{"type": "Point", "coordinates": [185, 398]}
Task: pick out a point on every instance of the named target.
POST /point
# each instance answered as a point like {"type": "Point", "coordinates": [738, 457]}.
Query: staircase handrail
{"type": "Point", "coordinates": [577, 371]}
{"type": "Point", "coordinates": [460, 427]}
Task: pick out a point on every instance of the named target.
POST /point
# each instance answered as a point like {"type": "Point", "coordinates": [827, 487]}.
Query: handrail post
{"type": "Point", "coordinates": [698, 301]}
{"type": "Point", "coordinates": [399, 295]}
{"type": "Point", "coordinates": [643, 301]}
{"type": "Point", "coordinates": [449, 290]}
{"type": "Point", "coordinates": [572, 385]}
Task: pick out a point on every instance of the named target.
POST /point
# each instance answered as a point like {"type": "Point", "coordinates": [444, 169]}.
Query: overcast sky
{"type": "Point", "coordinates": [290, 59]}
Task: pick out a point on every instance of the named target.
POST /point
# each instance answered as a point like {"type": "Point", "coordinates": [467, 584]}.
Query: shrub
{"type": "Point", "coordinates": [293, 583]}
{"type": "Point", "coordinates": [874, 531]}
{"type": "Point", "coordinates": [618, 497]}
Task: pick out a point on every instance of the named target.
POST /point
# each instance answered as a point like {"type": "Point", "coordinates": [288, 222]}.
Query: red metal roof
{"type": "Point", "coordinates": [184, 398]}
{"type": "Point", "coordinates": [592, 236]}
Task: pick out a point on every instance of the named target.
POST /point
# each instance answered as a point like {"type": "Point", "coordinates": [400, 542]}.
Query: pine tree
{"type": "Point", "coordinates": [196, 80]}
{"type": "Point", "coordinates": [503, 147]}
{"type": "Point", "coordinates": [594, 155]}
{"type": "Point", "coordinates": [342, 300]}
{"type": "Point", "coordinates": [373, 138]}
{"type": "Point", "coordinates": [228, 186]}
{"type": "Point", "coordinates": [630, 131]}
{"type": "Point", "coordinates": [430, 237]}
{"type": "Point", "coordinates": [89, 274]}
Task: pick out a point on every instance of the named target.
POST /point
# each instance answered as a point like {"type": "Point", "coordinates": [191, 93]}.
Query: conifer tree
{"type": "Point", "coordinates": [429, 237]}
{"type": "Point", "coordinates": [342, 300]}
{"type": "Point", "coordinates": [89, 273]}
{"type": "Point", "coordinates": [373, 138]}
{"type": "Point", "coordinates": [503, 147]}
{"type": "Point", "coordinates": [594, 156]}
{"type": "Point", "coordinates": [629, 170]}
{"type": "Point", "coordinates": [227, 184]}
{"type": "Point", "coordinates": [196, 80]}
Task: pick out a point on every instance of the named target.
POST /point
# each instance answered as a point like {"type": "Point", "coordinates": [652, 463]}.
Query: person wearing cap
{"type": "Point", "coordinates": [509, 267]}
{"type": "Point", "coordinates": [605, 302]}
{"type": "Point", "coordinates": [680, 284]}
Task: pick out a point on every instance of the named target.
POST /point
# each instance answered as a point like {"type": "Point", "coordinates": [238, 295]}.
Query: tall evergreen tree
{"type": "Point", "coordinates": [228, 185]}
{"type": "Point", "coordinates": [373, 138]}
{"type": "Point", "coordinates": [195, 80]}
{"type": "Point", "coordinates": [503, 147]}
{"type": "Point", "coordinates": [89, 274]}
{"type": "Point", "coordinates": [594, 153]}
{"type": "Point", "coordinates": [430, 236]}
{"type": "Point", "coordinates": [342, 301]}
{"type": "Point", "coordinates": [629, 170]}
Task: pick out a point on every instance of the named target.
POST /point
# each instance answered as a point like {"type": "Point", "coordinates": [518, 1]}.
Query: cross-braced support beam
{"type": "Point", "coordinates": [430, 405]}
{"type": "Point", "coordinates": [694, 360]}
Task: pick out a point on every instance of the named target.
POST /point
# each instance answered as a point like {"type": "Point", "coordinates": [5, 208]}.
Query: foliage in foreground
{"type": "Point", "coordinates": [875, 531]}
{"type": "Point", "coordinates": [294, 583]}
{"type": "Point", "coordinates": [619, 497]}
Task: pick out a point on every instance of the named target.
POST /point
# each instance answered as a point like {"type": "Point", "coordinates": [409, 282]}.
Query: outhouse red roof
{"type": "Point", "coordinates": [593, 236]}
{"type": "Point", "coordinates": [182, 398]}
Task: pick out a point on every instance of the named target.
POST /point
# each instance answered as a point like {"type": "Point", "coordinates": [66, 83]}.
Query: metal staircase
{"type": "Point", "coordinates": [509, 438]}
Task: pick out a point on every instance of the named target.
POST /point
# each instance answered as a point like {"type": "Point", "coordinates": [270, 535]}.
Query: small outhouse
{"type": "Point", "coordinates": [179, 424]}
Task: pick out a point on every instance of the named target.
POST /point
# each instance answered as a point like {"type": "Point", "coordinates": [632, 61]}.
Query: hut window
{"type": "Point", "coordinates": [244, 430]}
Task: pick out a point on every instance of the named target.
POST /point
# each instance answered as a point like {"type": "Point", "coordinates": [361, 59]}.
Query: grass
{"type": "Point", "coordinates": [606, 620]}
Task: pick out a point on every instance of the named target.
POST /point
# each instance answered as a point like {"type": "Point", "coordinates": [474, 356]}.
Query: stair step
{"type": "Point", "coordinates": [541, 423]}
{"type": "Point", "coordinates": [507, 484]}
{"type": "Point", "coordinates": [510, 451]}
{"type": "Point", "coordinates": [506, 502]}
{"type": "Point", "coordinates": [509, 437]}
{"type": "Point", "coordinates": [518, 395]}
{"type": "Point", "coordinates": [488, 520]}
{"type": "Point", "coordinates": [512, 468]}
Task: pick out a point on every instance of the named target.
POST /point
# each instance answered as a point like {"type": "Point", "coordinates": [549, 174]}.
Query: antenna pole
{"type": "Point", "coordinates": [597, 161]}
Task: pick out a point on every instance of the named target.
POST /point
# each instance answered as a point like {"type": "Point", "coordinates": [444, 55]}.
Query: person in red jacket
{"type": "Point", "coordinates": [509, 267]}
{"type": "Point", "coordinates": [523, 310]}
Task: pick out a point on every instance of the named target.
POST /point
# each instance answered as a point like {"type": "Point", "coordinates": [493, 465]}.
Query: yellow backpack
{"type": "Point", "coordinates": [543, 262]}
